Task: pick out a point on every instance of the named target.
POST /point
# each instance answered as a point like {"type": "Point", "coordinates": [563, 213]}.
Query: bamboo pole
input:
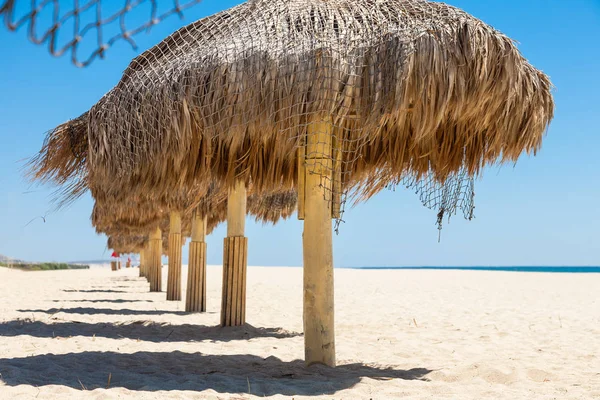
{"type": "Point", "coordinates": [319, 328]}
{"type": "Point", "coordinates": [155, 264]}
{"type": "Point", "coordinates": [174, 276]}
{"type": "Point", "coordinates": [195, 300]}
{"type": "Point", "coordinates": [235, 249]}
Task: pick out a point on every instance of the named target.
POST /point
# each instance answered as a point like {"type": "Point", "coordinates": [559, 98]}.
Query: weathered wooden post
{"type": "Point", "coordinates": [113, 265]}
{"type": "Point", "coordinates": [196, 287]}
{"type": "Point", "coordinates": [235, 250]}
{"type": "Point", "coordinates": [147, 259]}
{"type": "Point", "coordinates": [155, 262]}
{"type": "Point", "coordinates": [143, 261]}
{"type": "Point", "coordinates": [128, 263]}
{"type": "Point", "coordinates": [317, 204]}
{"type": "Point", "coordinates": [119, 264]}
{"type": "Point", "coordinates": [174, 276]}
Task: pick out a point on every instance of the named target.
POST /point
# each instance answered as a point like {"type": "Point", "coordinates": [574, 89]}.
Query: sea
{"type": "Point", "coordinates": [546, 269]}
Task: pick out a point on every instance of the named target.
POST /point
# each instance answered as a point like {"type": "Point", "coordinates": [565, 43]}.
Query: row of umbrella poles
{"type": "Point", "coordinates": [167, 238]}
{"type": "Point", "coordinates": [329, 99]}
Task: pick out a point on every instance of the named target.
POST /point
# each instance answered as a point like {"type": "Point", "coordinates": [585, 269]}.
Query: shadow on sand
{"type": "Point", "coordinates": [141, 330]}
{"type": "Point", "coordinates": [94, 291]}
{"type": "Point", "coordinates": [153, 371]}
{"type": "Point", "coordinates": [106, 311]}
{"type": "Point", "coordinates": [123, 279]}
{"type": "Point", "coordinates": [119, 286]}
{"type": "Point", "coordinates": [103, 301]}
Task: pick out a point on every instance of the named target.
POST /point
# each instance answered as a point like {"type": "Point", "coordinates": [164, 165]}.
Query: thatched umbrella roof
{"type": "Point", "coordinates": [266, 208]}
{"type": "Point", "coordinates": [140, 215]}
{"type": "Point", "coordinates": [411, 86]}
{"type": "Point", "coordinates": [126, 243]}
{"type": "Point", "coordinates": [62, 160]}
{"type": "Point", "coordinates": [124, 238]}
{"type": "Point", "coordinates": [135, 220]}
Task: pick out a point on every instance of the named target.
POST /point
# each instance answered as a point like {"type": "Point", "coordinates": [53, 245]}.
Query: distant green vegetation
{"type": "Point", "coordinates": [42, 266]}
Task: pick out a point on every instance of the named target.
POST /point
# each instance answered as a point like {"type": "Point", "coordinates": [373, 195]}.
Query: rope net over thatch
{"type": "Point", "coordinates": [93, 23]}
{"type": "Point", "coordinates": [408, 90]}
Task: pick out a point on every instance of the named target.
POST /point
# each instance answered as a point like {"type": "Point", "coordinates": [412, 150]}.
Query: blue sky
{"type": "Point", "coordinates": [543, 211]}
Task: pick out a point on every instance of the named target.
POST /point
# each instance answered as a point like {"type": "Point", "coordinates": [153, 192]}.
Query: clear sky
{"type": "Point", "coordinates": [543, 211]}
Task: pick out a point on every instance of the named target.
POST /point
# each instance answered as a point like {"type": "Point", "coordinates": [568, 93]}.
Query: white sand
{"type": "Point", "coordinates": [400, 334]}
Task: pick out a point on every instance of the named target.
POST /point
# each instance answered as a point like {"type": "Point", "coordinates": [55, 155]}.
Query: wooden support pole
{"type": "Point", "coordinates": [319, 328]}
{"type": "Point", "coordinates": [235, 252]}
{"type": "Point", "coordinates": [174, 277]}
{"type": "Point", "coordinates": [155, 263]}
{"type": "Point", "coordinates": [148, 268]}
{"type": "Point", "coordinates": [113, 265]}
{"type": "Point", "coordinates": [236, 210]}
{"type": "Point", "coordinates": [119, 264]}
{"type": "Point", "coordinates": [144, 262]}
{"type": "Point", "coordinates": [195, 300]}
{"type": "Point", "coordinates": [141, 271]}
{"type": "Point", "coordinates": [128, 264]}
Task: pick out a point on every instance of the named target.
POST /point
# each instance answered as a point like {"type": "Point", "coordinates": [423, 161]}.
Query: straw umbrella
{"type": "Point", "coordinates": [401, 86]}
{"type": "Point", "coordinates": [322, 95]}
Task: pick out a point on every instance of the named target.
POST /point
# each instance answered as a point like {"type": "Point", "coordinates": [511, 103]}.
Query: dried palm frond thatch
{"type": "Point", "coordinates": [266, 208]}
{"type": "Point", "coordinates": [411, 87]}
{"type": "Point", "coordinates": [125, 244]}
{"type": "Point", "coordinates": [62, 160]}
{"type": "Point", "coordinates": [137, 219]}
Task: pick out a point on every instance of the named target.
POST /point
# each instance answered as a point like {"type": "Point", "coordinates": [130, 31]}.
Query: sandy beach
{"type": "Point", "coordinates": [400, 334]}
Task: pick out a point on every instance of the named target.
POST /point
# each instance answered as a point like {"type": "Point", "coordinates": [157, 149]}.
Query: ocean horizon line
{"type": "Point", "coordinates": [499, 268]}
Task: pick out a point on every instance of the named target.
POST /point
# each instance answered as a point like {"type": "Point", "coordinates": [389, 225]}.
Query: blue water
{"type": "Point", "coordinates": [563, 270]}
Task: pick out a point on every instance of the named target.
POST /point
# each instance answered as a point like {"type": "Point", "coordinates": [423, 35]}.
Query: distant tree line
{"type": "Point", "coordinates": [42, 266]}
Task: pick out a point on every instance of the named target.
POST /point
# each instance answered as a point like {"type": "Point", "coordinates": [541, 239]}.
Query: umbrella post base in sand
{"type": "Point", "coordinates": [119, 265]}
{"type": "Point", "coordinates": [174, 275]}
{"type": "Point", "coordinates": [155, 262]}
{"type": "Point", "coordinates": [113, 265]}
{"type": "Point", "coordinates": [128, 264]}
{"type": "Point", "coordinates": [315, 197]}
{"type": "Point", "coordinates": [235, 251]}
{"type": "Point", "coordinates": [195, 300]}
{"type": "Point", "coordinates": [233, 310]}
